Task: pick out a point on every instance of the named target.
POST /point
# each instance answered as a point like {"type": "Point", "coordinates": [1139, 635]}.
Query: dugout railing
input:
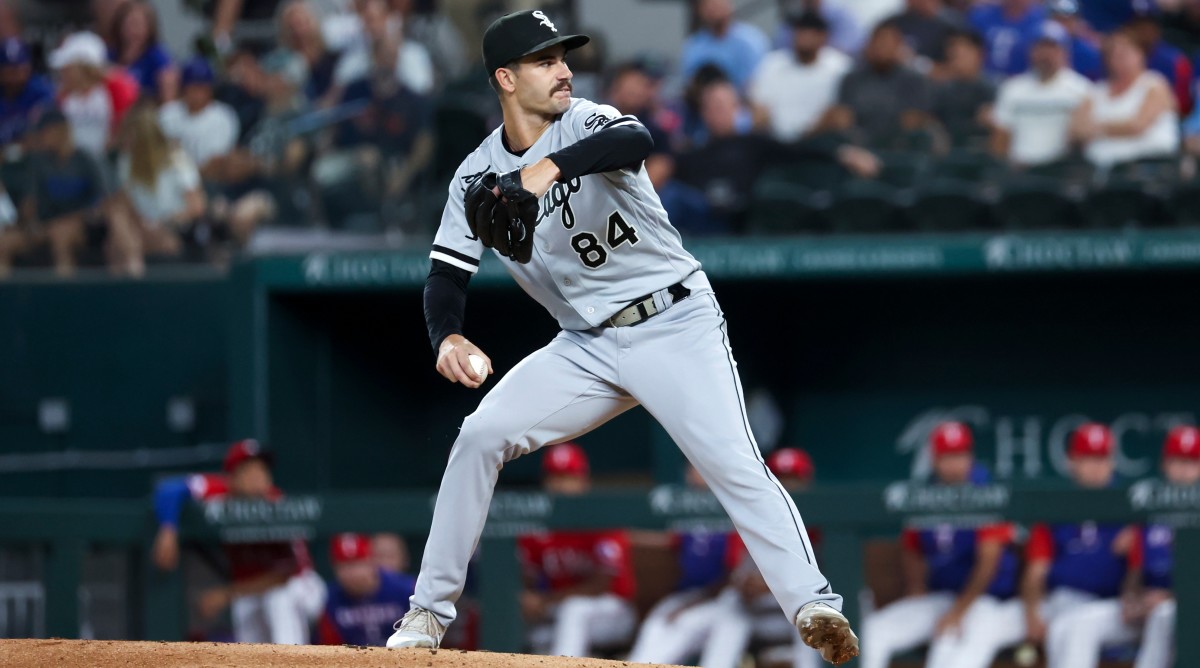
{"type": "Point", "coordinates": [847, 516]}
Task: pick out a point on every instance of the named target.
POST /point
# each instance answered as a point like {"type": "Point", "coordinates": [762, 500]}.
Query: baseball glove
{"type": "Point", "coordinates": [503, 221]}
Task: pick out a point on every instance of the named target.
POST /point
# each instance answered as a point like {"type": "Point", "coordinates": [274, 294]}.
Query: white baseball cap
{"type": "Point", "coordinates": [82, 48]}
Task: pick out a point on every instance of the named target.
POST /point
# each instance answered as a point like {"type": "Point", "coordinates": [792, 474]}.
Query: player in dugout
{"type": "Point", "coordinates": [956, 577]}
{"type": "Point", "coordinates": [274, 594]}
{"type": "Point", "coordinates": [365, 598]}
{"type": "Point", "coordinates": [579, 585]}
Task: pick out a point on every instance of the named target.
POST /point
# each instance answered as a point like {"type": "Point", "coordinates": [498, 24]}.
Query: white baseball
{"type": "Point", "coordinates": [478, 366]}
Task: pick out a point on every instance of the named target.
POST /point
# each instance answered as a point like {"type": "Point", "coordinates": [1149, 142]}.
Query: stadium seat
{"type": "Point", "coordinates": [943, 205]}
{"type": "Point", "coordinates": [863, 206]}
{"type": "Point", "coordinates": [1184, 204]}
{"type": "Point", "coordinates": [1066, 171]}
{"type": "Point", "coordinates": [902, 169]}
{"type": "Point", "coordinates": [781, 206]}
{"type": "Point", "coordinates": [1036, 203]}
{"type": "Point", "coordinates": [967, 165]}
{"type": "Point", "coordinates": [812, 174]}
{"type": "Point", "coordinates": [1157, 171]}
{"type": "Point", "coordinates": [1122, 203]}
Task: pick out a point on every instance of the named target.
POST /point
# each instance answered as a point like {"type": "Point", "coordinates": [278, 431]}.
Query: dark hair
{"type": "Point", "coordinates": [808, 20]}
{"type": "Point", "coordinates": [494, 82]}
{"type": "Point", "coordinates": [887, 24]}
{"type": "Point", "coordinates": [969, 36]}
{"type": "Point", "coordinates": [123, 13]}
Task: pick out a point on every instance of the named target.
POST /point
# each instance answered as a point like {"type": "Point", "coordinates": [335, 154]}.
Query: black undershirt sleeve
{"type": "Point", "coordinates": [445, 301]}
{"type": "Point", "coordinates": [610, 149]}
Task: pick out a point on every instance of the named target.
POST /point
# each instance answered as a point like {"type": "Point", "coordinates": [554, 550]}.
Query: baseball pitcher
{"type": "Point", "coordinates": [559, 194]}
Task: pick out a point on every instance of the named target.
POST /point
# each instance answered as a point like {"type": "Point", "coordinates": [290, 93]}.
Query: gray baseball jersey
{"type": "Point", "coordinates": [602, 240]}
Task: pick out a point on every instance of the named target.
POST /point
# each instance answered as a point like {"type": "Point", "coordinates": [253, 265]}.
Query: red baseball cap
{"type": "Point", "coordinates": [1091, 439]}
{"type": "Point", "coordinates": [241, 451]}
{"type": "Point", "coordinates": [791, 462]}
{"type": "Point", "coordinates": [1182, 442]}
{"type": "Point", "coordinates": [349, 547]}
{"type": "Point", "coordinates": [951, 438]}
{"type": "Point", "coordinates": [565, 459]}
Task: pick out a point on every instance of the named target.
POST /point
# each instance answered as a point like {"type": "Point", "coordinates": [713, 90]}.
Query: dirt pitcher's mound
{"type": "Point", "coordinates": [57, 653]}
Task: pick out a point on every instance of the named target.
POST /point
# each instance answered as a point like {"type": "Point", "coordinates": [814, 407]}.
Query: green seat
{"type": "Point", "coordinates": [1122, 203]}
{"type": "Point", "coordinates": [780, 206]}
{"type": "Point", "coordinates": [1184, 206]}
{"type": "Point", "coordinates": [1035, 203]}
{"type": "Point", "coordinates": [812, 174]}
{"type": "Point", "coordinates": [902, 169]}
{"type": "Point", "coordinates": [945, 205]}
{"type": "Point", "coordinates": [863, 206]}
{"type": "Point", "coordinates": [1158, 171]}
{"type": "Point", "coordinates": [967, 166]}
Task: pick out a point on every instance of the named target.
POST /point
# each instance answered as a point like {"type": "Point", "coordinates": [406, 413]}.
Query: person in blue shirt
{"type": "Point", "coordinates": [1107, 15]}
{"type": "Point", "coordinates": [957, 577]}
{"type": "Point", "coordinates": [1085, 56]}
{"type": "Point", "coordinates": [23, 94]}
{"type": "Point", "coordinates": [1164, 59]}
{"type": "Point", "coordinates": [1008, 29]}
{"type": "Point", "coordinates": [734, 46]}
{"type": "Point", "coordinates": [365, 599]}
{"type": "Point", "coordinates": [137, 49]}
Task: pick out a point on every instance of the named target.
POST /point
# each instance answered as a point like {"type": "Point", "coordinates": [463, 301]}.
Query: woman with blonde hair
{"type": "Point", "coordinates": [161, 196]}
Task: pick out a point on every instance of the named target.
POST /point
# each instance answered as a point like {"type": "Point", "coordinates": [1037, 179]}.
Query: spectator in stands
{"type": "Point", "coordinates": [793, 87]}
{"type": "Point", "coordinates": [302, 59]}
{"type": "Point", "coordinates": [1008, 28]}
{"type": "Point", "coordinates": [93, 97]}
{"type": "Point", "coordinates": [410, 62]}
{"type": "Point", "coordinates": [1084, 54]}
{"type": "Point", "coordinates": [845, 32]}
{"type": "Point", "coordinates": [66, 195]}
{"type": "Point", "coordinates": [24, 95]}
{"type": "Point", "coordinates": [377, 155]}
{"type": "Point", "coordinates": [10, 21]}
{"type": "Point", "coordinates": [956, 578]}
{"type": "Point", "coordinates": [634, 89]}
{"type": "Point", "coordinates": [136, 48]}
{"type": "Point", "coordinates": [274, 594]}
{"type": "Point", "coordinates": [1129, 116]}
{"type": "Point", "coordinates": [882, 102]}
{"type": "Point", "coordinates": [732, 45]}
{"type": "Point", "coordinates": [578, 584]}
{"type": "Point", "coordinates": [1106, 16]}
{"type": "Point", "coordinates": [365, 599]}
{"type": "Point", "coordinates": [674, 631]}
{"type": "Point", "coordinates": [962, 101]}
{"type": "Point", "coordinates": [1164, 58]}
{"type": "Point", "coordinates": [1032, 117]}
{"type": "Point", "coordinates": [207, 131]}
{"type": "Point", "coordinates": [426, 25]}
{"type": "Point", "coordinates": [103, 12]}
{"type": "Point", "coordinates": [1067, 566]}
{"type": "Point", "coordinates": [12, 238]}
{"type": "Point", "coordinates": [390, 552]}
{"type": "Point", "coordinates": [726, 166]}
{"type": "Point", "coordinates": [928, 25]}
{"type": "Point", "coordinates": [161, 198]}
{"type": "Point", "coordinates": [226, 14]}
{"type": "Point", "coordinates": [793, 467]}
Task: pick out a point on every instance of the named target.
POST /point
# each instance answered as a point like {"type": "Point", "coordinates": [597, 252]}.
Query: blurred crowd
{"type": "Point", "coordinates": [1069, 594]}
{"type": "Point", "coordinates": [349, 114]}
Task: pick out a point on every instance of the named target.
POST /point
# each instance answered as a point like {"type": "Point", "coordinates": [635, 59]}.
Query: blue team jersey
{"type": "Point", "coordinates": [702, 559]}
{"type": "Point", "coordinates": [1108, 15]}
{"type": "Point", "coordinates": [1007, 40]}
{"type": "Point", "coordinates": [20, 112]}
{"type": "Point", "coordinates": [950, 554]}
{"type": "Point", "coordinates": [1086, 59]}
{"type": "Point", "coordinates": [146, 69]}
{"type": "Point", "coordinates": [1082, 556]}
{"type": "Point", "coordinates": [1157, 560]}
{"type": "Point", "coordinates": [368, 621]}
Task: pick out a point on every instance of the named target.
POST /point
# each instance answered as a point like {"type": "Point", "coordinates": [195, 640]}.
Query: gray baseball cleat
{"type": "Point", "coordinates": [418, 628]}
{"type": "Point", "coordinates": [828, 631]}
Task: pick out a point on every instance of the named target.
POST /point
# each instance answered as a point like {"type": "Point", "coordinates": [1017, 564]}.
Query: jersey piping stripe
{"type": "Point", "coordinates": [750, 439]}
{"type": "Point", "coordinates": [454, 258]}
{"type": "Point", "coordinates": [624, 120]}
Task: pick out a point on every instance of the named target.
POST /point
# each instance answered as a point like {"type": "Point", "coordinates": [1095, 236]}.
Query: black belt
{"type": "Point", "coordinates": [645, 308]}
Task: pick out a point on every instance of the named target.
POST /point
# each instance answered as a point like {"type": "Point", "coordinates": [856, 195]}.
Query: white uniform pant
{"type": "Point", "coordinates": [1158, 638]}
{"type": "Point", "coordinates": [738, 623]}
{"type": "Point", "coordinates": [580, 623]}
{"type": "Point", "coordinates": [282, 615]}
{"type": "Point", "coordinates": [678, 365]}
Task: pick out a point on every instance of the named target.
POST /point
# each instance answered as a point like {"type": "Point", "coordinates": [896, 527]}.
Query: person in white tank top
{"type": "Point", "coordinates": [1131, 115]}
